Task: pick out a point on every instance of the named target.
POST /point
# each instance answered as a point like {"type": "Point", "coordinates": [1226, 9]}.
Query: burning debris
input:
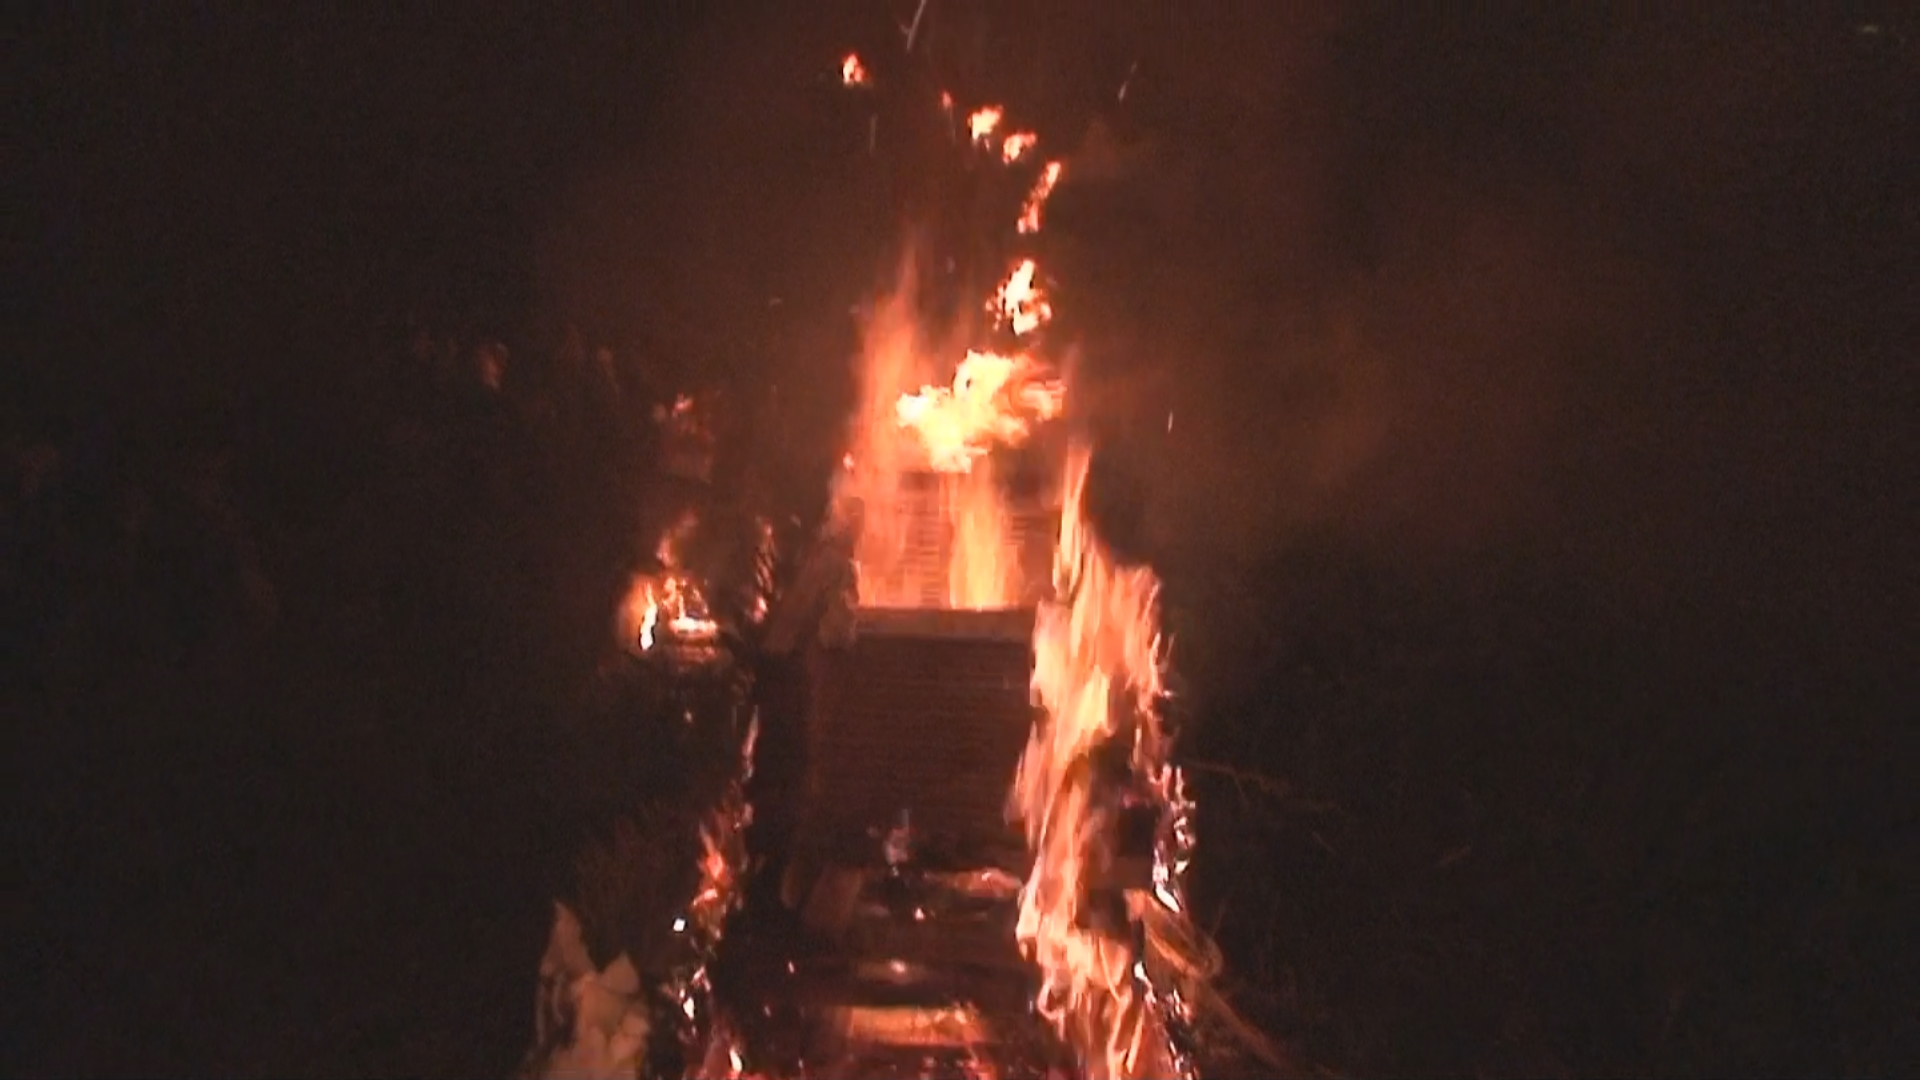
{"type": "Point", "coordinates": [853, 72]}
{"type": "Point", "coordinates": [666, 612]}
{"type": "Point", "coordinates": [1037, 198]}
{"type": "Point", "coordinates": [983, 122]}
{"type": "Point", "coordinates": [1016, 146]}
{"type": "Point", "coordinates": [920, 951]}
{"type": "Point", "coordinates": [994, 401]}
{"type": "Point", "coordinates": [1105, 921]}
{"type": "Point", "coordinates": [706, 1032]}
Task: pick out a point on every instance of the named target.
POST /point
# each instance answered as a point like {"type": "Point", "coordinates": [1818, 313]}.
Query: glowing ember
{"type": "Point", "coordinates": [852, 71]}
{"type": "Point", "coordinates": [1037, 199]}
{"type": "Point", "coordinates": [1096, 645]}
{"type": "Point", "coordinates": [715, 1051]}
{"type": "Point", "coordinates": [983, 122]}
{"type": "Point", "coordinates": [915, 420]}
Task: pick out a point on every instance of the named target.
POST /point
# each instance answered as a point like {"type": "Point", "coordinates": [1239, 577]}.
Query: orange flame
{"type": "Point", "coordinates": [984, 120]}
{"type": "Point", "coordinates": [993, 400]}
{"type": "Point", "coordinates": [852, 71]}
{"type": "Point", "coordinates": [882, 455]}
{"type": "Point", "coordinates": [1097, 642]}
{"type": "Point", "coordinates": [666, 604]}
{"type": "Point", "coordinates": [1037, 198]}
{"type": "Point", "coordinates": [948, 540]}
{"type": "Point", "coordinates": [1019, 303]}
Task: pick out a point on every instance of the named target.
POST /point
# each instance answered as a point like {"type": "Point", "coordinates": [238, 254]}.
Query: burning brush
{"type": "Point", "coordinates": [1103, 912]}
{"type": "Point", "coordinates": [666, 611]}
{"type": "Point", "coordinates": [652, 1011]}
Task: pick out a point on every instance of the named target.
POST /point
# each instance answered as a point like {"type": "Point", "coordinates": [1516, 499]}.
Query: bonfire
{"type": "Point", "coordinates": [922, 508]}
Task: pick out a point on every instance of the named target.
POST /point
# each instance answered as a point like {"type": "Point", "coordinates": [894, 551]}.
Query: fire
{"type": "Point", "coordinates": [716, 883]}
{"type": "Point", "coordinates": [983, 121]}
{"type": "Point", "coordinates": [666, 605]}
{"type": "Point", "coordinates": [716, 1053]}
{"type": "Point", "coordinates": [852, 71]}
{"type": "Point", "coordinates": [993, 401]}
{"type": "Point", "coordinates": [918, 484]}
{"type": "Point", "coordinates": [1037, 198]}
{"type": "Point", "coordinates": [1019, 303]}
{"type": "Point", "coordinates": [1096, 645]}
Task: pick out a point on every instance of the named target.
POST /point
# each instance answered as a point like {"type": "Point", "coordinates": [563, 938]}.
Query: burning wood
{"type": "Point", "coordinates": [1083, 920]}
{"type": "Point", "coordinates": [666, 608]}
{"type": "Point", "coordinates": [950, 428]}
{"type": "Point", "coordinates": [921, 508]}
{"type": "Point", "coordinates": [1102, 912]}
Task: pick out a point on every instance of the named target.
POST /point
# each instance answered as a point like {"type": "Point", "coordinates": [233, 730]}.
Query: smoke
{"type": "Point", "coordinates": [1621, 287]}
{"type": "Point", "coordinates": [1620, 290]}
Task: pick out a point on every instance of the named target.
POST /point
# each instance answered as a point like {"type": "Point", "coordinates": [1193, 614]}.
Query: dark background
{"type": "Point", "coordinates": [1533, 511]}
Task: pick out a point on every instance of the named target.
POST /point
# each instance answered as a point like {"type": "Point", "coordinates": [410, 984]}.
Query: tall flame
{"type": "Point", "coordinates": [874, 481]}
{"type": "Point", "coordinates": [1097, 673]}
{"type": "Point", "coordinates": [920, 471]}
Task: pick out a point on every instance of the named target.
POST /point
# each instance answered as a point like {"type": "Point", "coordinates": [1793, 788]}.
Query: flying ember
{"type": "Point", "coordinates": [1037, 200]}
{"type": "Point", "coordinates": [983, 121]}
{"type": "Point", "coordinates": [1019, 303]}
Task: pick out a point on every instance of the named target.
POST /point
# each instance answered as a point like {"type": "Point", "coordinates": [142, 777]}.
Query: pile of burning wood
{"type": "Point", "coordinates": [900, 610]}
